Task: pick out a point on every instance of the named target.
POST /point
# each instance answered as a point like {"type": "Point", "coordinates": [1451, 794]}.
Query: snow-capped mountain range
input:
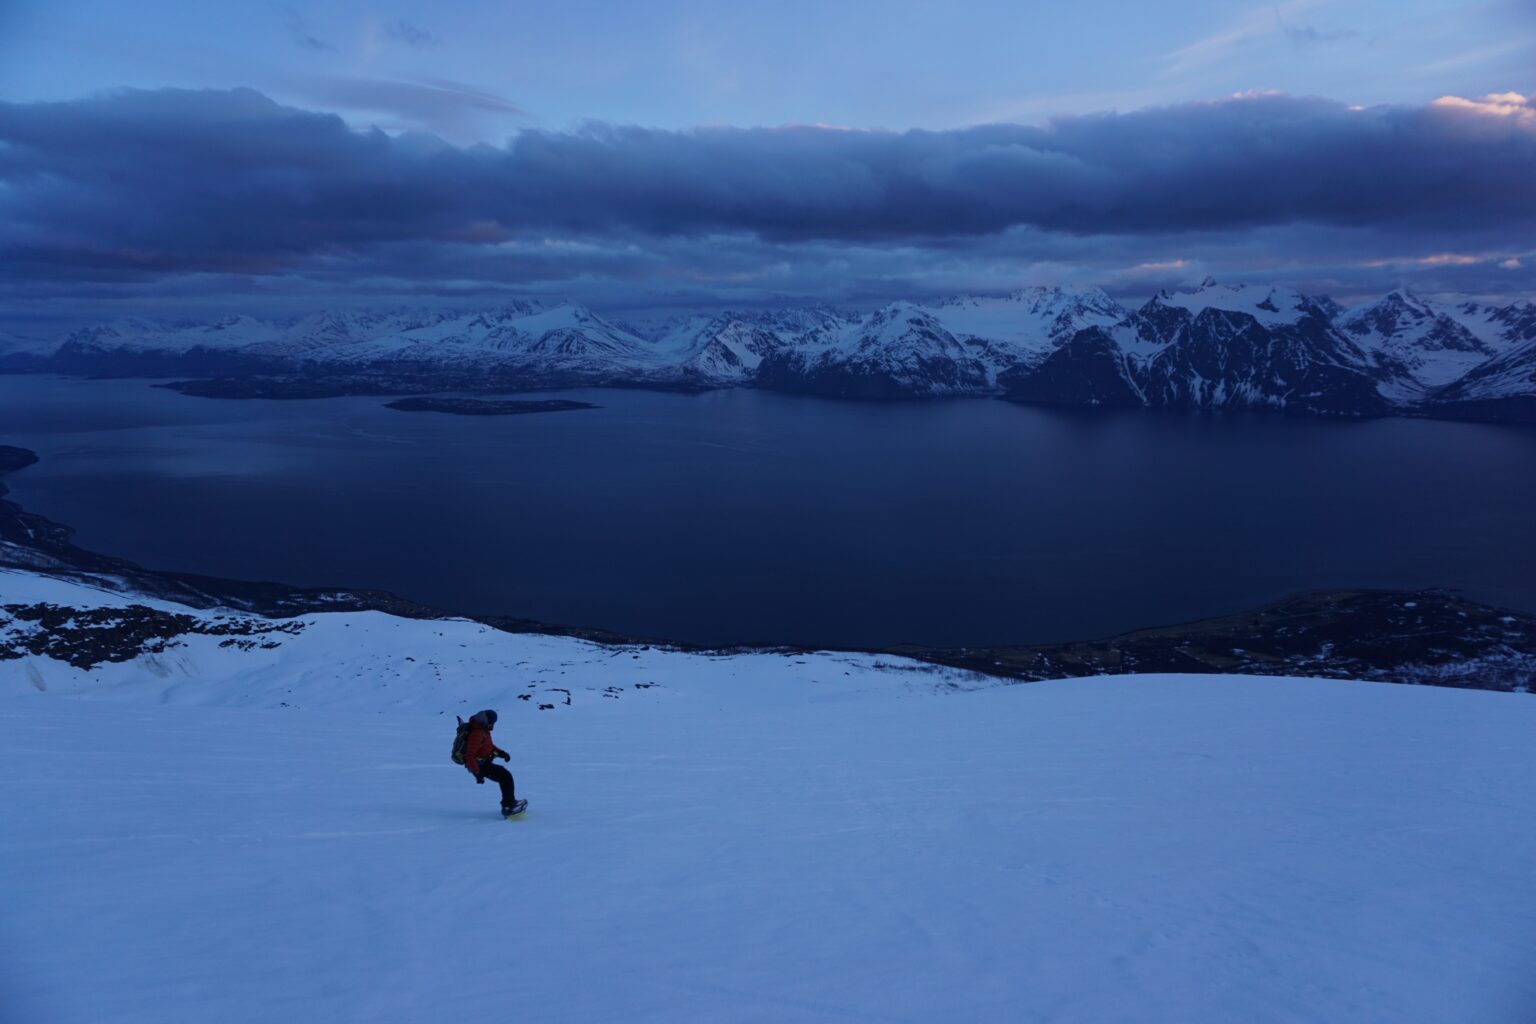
{"type": "Point", "coordinates": [1210, 347]}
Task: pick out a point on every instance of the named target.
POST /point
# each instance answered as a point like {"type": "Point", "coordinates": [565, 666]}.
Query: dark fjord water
{"type": "Point", "coordinates": [745, 516]}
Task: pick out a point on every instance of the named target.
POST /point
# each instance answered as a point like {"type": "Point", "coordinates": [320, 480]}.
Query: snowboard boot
{"type": "Point", "coordinates": [516, 807]}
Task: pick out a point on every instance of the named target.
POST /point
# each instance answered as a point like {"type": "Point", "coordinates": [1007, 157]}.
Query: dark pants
{"type": "Point", "coordinates": [503, 778]}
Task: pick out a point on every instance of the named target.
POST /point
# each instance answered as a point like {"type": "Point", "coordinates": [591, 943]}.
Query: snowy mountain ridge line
{"type": "Point", "coordinates": [1213, 346]}
{"type": "Point", "coordinates": [1024, 317]}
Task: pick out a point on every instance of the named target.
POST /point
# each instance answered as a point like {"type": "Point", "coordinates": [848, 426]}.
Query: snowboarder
{"type": "Point", "coordinates": [480, 754]}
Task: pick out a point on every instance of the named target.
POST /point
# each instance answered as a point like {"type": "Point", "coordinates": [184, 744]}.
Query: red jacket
{"type": "Point", "coordinates": [478, 747]}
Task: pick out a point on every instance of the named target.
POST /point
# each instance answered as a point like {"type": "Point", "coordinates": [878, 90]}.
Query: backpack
{"type": "Point", "coordinates": [459, 739]}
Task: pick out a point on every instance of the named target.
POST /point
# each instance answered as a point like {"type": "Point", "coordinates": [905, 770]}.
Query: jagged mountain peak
{"type": "Point", "coordinates": [899, 310]}
{"type": "Point", "coordinates": [564, 315]}
{"type": "Point", "coordinates": [1400, 313]}
{"type": "Point", "coordinates": [1403, 302]}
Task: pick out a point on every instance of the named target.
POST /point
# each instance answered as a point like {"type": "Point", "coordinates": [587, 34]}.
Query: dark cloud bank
{"type": "Point", "coordinates": [142, 186]}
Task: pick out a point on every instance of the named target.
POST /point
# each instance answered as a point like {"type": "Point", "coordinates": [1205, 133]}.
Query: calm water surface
{"type": "Point", "coordinates": [746, 516]}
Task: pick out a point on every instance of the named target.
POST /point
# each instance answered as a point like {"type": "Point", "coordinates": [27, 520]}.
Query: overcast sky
{"type": "Point", "coordinates": [267, 156]}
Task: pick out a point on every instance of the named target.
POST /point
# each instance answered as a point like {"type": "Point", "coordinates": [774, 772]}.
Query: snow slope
{"type": "Point", "coordinates": [753, 838]}
{"type": "Point", "coordinates": [1423, 338]}
{"type": "Point", "coordinates": [1270, 305]}
{"type": "Point", "coordinates": [1031, 323]}
{"type": "Point", "coordinates": [901, 350]}
{"type": "Point", "coordinates": [1504, 388]}
{"type": "Point", "coordinates": [1499, 326]}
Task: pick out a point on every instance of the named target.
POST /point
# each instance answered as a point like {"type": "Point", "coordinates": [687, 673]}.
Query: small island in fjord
{"type": "Point", "coordinates": [479, 407]}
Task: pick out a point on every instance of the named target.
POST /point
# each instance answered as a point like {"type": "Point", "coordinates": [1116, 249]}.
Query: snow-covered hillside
{"type": "Point", "coordinates": [263, 824]}
{"type": "Point", "coordinates": [1501, 326]}
{"type": "Point", "coordinates": [1427, 341]}
{"type": "Point", "coordinates": [901, 350]}
{"type": "Point", "coordinates": [1270, 305]}
{"type": "Point", "coordinates": [1502, 388]}
{"type": "Point", "coordinates": [1029, 324]}
{"type": "Point", "coordinates": [728, 348]}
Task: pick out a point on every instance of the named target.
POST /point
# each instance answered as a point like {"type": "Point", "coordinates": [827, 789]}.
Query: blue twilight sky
{"type": "Point", "coordinates": [259, 155]}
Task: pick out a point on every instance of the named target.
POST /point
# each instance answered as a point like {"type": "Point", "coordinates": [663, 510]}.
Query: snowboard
{"type": "Point", "coordinates": [517, 808]}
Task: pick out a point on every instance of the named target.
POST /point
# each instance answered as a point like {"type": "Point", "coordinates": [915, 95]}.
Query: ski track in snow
{"type": "Point", "coordinates": [756, 838]}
